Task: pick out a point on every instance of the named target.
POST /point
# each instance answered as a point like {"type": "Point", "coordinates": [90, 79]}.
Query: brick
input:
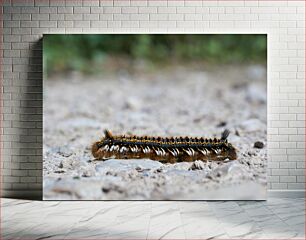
{"type": "Point", "coordinates": [29, 10]}
{"type": "Point", "coordinates": [139, 3]}
{"type": "Point", "coordinates": [147, 9]}
{"type": "Point", "coordinates": [112, 10]}
{"type": "Point", "coordinates": [130, 24]}
{"type": "Point", "coordinates": [22, 16]}
{"type": "Point", "coordinates": [229, 17]}
{"type": "Point", "coordinates": [148, 24]}
{"type": "Point", "coordinates": [296, 172]}
{"type": "Point", "coordinates": [57, 3]}
{"type": "Point", "coordinates": [202, 10]}
{"type": "Point", "coordinates": [96, 10]}
{"type": "Point", "coordinates": [280, 172]}
{"type": "Point", "coordinates": [23, 3]}
{"type": "Point", "coordinates": [74, 3]}
{"type": "Point", "coordinates": [168, 24]}
{"type": "Point", "coordinates": [21, 31]}
{"type": "Point", "coordinates": [71, 17]}
{"type": "Point", "coordinates": [65, 24]}
{"type": "Point", "coordinates": [221, 24]}
{"type": "Point", "coordinates": [29, 24]}
{"type": "Point", "coordinates": [158, 3]}
{"type": "Point", "coordinates": [41, 3]}
{"type": "Point", "coordinates": [10, 179]}
{"type": "Point", "coordinates": [65, 10]}
{"type": "Point", "coordinates": [139, 17]}
{"type": "Point", "coordinates": [48, 10]}
{"type": "Point", "coordinates": [160, 17]}
{"type": "Point", "coordinates": [90, 16]}
{"type": "Point", "coordinates": [40, 17]}
{"type": "Point", "coordinates": [81, 24]}
{"type": "Point", "coordinates": [105, 17]}
{"type": "Point", "coordinates": [287, 165]}
{"type": "Point", "coordinates": [186, 10]}
{"type": "Point", "coordinates": [166, 10]}
{"type": "Point", "coordinates": [288, 131]}
{"type": "Point", "coordinates": [19, 173]}
{"type": "Point", "coordinates": [300, 179]}
{"type": "Point", "coordinates": [296, 186]}
{"type": "Point", "coordinates": [11, 24]}
{"type": "Point", "coordinates": [98, 24]}
{"type": "Point", "coordinates": [11, 10]}
{"type": "Point", "coordinates": [119, 17]}
{"type": "Point", "coordinates": [129, 10]}
{"type": "Point", "coordinates": [81, 10]}
{"type": "Point", "coordinates": [91, 3]}
{"type": "Point", "coordinates": [287, 179]}
{"type": "Point", "coordinates": [277, 186]}
{"type": "Point", "coordinates": [193, 17]}
{"type": "Point", "coordinates": [176, 17]}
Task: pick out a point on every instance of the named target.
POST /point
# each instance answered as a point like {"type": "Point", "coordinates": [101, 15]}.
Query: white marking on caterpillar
{"type": "Point", "coordinates": [106, 147]}
{"type": "Point", "coordinates": [173, 153]}
{"type": "Point", "coordinates": [214, 150]}
{"type": "Point", "coordinates": [163, 152]}
{"type": "Point", "coordinates": [156, 151]}
{"type": "Point", "coordinates": [187, 151]}
{"type": "Point", "coordinates": [123, 149]}
{"type": "Point", "coordinates": [203, 151]}
{"type": "Point", "coordinates": [192, 151]}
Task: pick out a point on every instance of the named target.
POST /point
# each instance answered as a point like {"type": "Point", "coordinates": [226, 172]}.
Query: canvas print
{"type": "Point", "coordinates": [155, 117]}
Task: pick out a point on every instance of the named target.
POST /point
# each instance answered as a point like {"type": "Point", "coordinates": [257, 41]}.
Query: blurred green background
{"type": "Point", "coordinates": [92, 54]}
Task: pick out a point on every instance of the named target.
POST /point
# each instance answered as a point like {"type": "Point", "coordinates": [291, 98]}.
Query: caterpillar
{"type": "Point", "coordinates": [168, 150]}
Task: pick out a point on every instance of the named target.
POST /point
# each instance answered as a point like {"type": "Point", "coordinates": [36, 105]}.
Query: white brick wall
{"type": "Point", "coordinates": [24, 22]}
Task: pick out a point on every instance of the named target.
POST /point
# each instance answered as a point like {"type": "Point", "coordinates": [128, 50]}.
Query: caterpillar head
{"type": "Point", "coordinates": [231, 151]}
{"type": "Point", "coordinates": [107, 139]}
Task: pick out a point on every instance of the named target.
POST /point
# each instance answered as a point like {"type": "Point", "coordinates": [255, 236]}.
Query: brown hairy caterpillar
{"type": "Point", "coordinates": [169, 150]}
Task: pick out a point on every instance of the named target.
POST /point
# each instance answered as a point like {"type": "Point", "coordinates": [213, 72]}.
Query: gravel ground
{"type": "Point", "coordinates": [171, 102]}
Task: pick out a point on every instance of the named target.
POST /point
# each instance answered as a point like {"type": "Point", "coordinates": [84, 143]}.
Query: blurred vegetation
{"type": "Point", "coordinates": [89, 53]}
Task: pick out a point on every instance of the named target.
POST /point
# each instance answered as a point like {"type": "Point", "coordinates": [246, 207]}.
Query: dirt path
{"type": "Point", "coordinates": [169, 103]}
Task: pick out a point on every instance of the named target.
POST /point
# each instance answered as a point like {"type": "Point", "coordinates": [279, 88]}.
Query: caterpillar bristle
{"type": "Point", "coordinates": [225, 134]}
{"type": "Point", "coordinates": [108, 134]}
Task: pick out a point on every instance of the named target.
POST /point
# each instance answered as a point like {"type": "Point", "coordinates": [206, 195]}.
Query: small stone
{"type": "Point", "coordinates": [105, 190]}
{"type": "Point", "coordinates": [138, 169]}
{"type": "Point", "coordinates": [251, 153]}
{"type": "Point", "coordinates": [86, 174]}
{"type": "Point", "coordinates": [222, 124]}
{"type": "Point", "coordinates": [197, 165]}
{"type": "Point", "coordinates": [258, 144]}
